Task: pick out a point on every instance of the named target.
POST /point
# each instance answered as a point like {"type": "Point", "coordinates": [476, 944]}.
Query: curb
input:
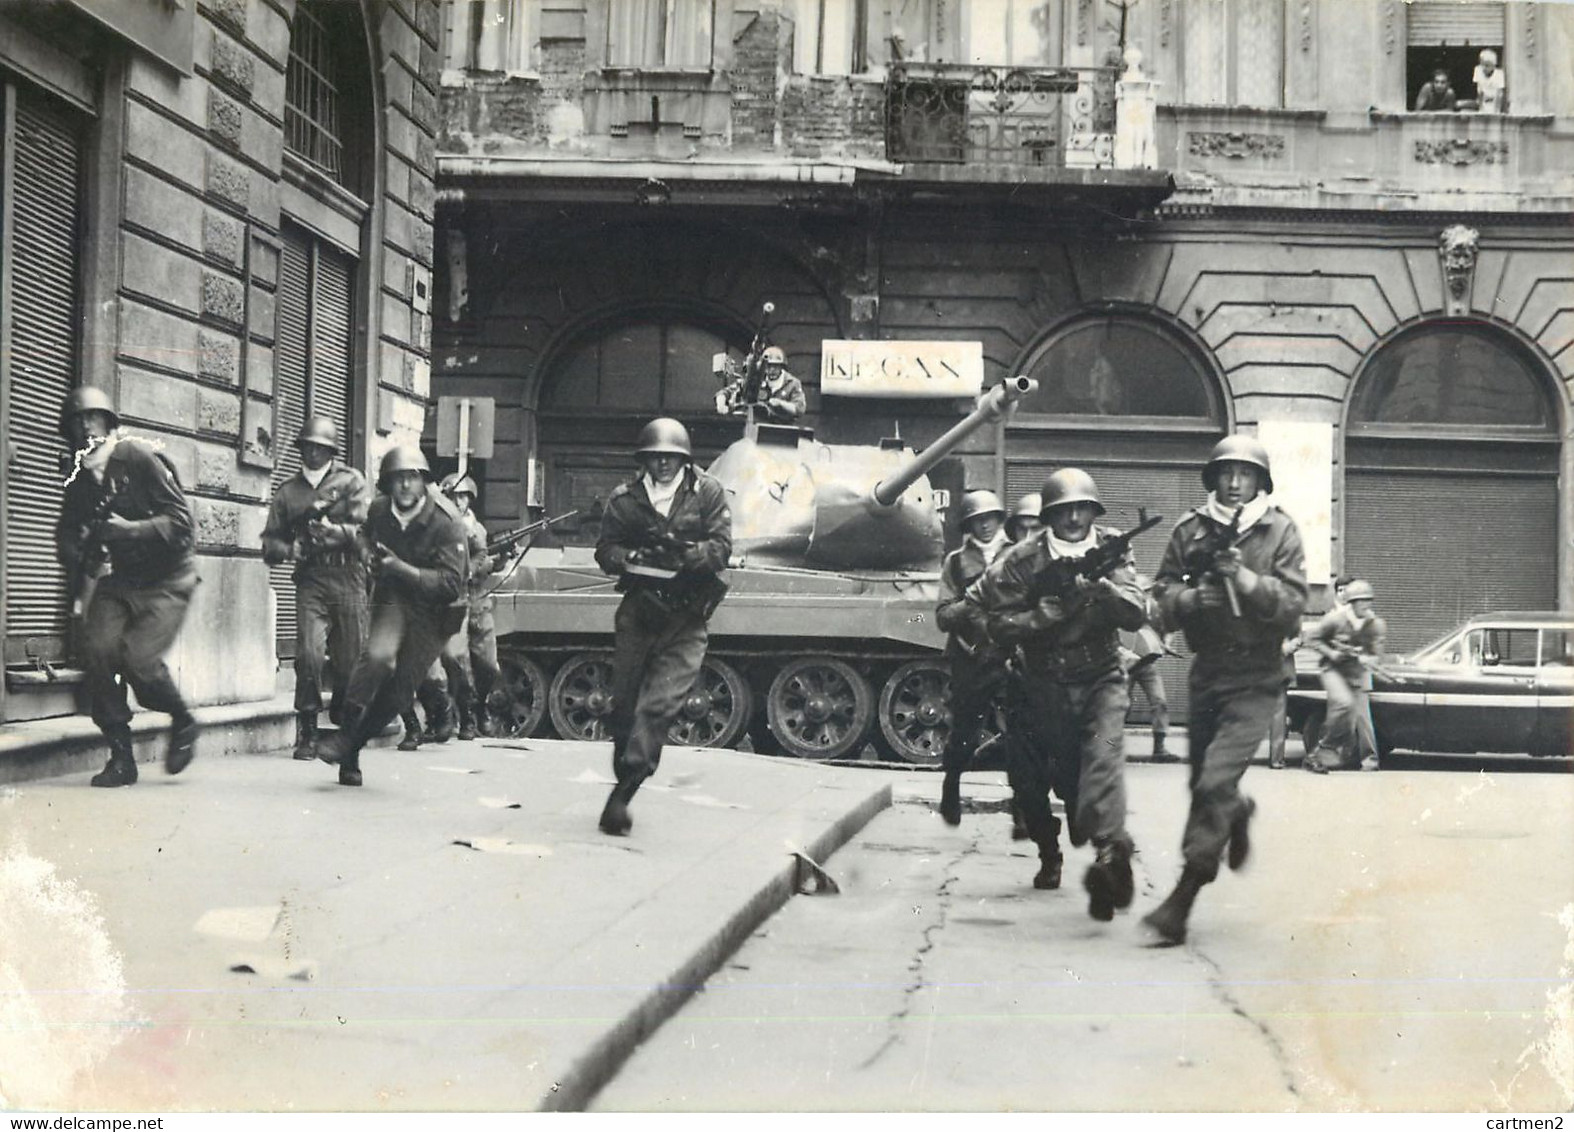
{"type": "Point", "coordinates": [587, 1073]}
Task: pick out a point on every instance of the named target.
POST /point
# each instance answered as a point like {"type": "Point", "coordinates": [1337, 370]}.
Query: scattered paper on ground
{"type": "Point", "coordinates": [713, 803]}
{"type": "Point", "coordinates": [498, 803]}
{"type": "Point", "coordinates": [503, 845]}
{"type": "Point", "coordinates": [253, 924]}
{"type": "Point", "coordinates": [278, 968]}
{"type": "Point", "coordinates": [454, 769]}
{"type": "Point", "coordinates": [594, 776]}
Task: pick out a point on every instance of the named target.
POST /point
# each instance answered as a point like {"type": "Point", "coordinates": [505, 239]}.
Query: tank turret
{"type": "Point", "coordinates": [797, 501]}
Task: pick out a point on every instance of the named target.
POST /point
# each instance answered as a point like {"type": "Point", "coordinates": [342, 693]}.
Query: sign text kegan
{"type": "Point", "coordinates": [901, 369]}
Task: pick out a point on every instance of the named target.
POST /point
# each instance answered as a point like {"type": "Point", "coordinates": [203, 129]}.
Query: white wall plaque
{"type": "Point", "coordinates": [1302, 455]}
{"type": "Point", "coordinates": [901, 369]}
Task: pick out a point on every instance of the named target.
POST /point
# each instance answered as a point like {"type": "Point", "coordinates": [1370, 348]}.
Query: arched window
{"type": "Point", "coordinates": [1452, 374]}
{"type": "Point", "coordinates": [639, 367]}
{"type": "Point", "coordinates": [1120, 365]}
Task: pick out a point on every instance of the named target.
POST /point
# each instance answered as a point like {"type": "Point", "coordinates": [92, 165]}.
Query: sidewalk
{"type": "Point", "coordinates": [454, 935]}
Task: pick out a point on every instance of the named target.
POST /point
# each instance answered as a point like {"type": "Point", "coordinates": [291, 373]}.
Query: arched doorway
{"type": "Point", "coordinates": [612, 378]}
{"type": "Point", "coordinates": [1451, 483]}
{"type": "Point", "coordinates": [1138, 403]}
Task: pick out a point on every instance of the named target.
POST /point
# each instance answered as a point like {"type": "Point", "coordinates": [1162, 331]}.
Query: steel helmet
{"type": "Point", "coordinates": [87, 399]}
{"type": "Point", "coordinates": [1359, 591]}
{"type": "Point", "coordinates": [1030, 506]}
{"type": "Point", "coordinates": [454, 484]}
{"type": "Point", "coordinates": [976, 503]}
{"type": "Point", "coordinates": [664, 435]}
{"type": "Point", "coordinates": [319, 430]}
{"type": "Point", "coordinates": [774, 355]}
{"type": "Point", "coordinates": [402, 458]}
{"type": "Point", "coordinates": [1069, 485]}
{"type": "Point", "coordinates": [1242, 449]}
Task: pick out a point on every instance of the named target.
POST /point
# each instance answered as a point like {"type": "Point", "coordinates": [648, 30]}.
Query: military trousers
{"type": "Point", "coordinates": [1071, 736]}
{"type": "Point", "coordinates": [401, 643]}
{"type": "Point", "coordinates": [976, 680]}
{"type": "Point", "coordinates": [1145, 675]}
{"type": "Point", "coordinates": [656, 659]}
{"type": "Point", "coordinates": [1347, 734]}
{"type": "Point", "coordinates": [331, 616]}
{"type": "Point", "coordinates": [1231, 712]}
{"type": "Point", "coordinates": [469, 657]}
{"type": "Point", "coordinates": [126, 632]}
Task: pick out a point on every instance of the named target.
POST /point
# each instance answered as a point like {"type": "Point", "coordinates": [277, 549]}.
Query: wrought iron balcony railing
{"type": "Point", "coordinates": [959, 114]}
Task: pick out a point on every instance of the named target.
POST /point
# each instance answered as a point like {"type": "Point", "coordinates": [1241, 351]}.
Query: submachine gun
{"type": "Point", "coordinates": [752, 369]}
{"type": "Point", "coordinates": [1202, 563]}
{"type": "Point", "coordinates": [1058, 578]}
{"type": "Point", "coordinates": [655, 574]}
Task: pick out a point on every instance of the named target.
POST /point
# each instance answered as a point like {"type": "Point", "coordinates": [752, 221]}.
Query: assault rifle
{"type": "Point", "coordinates": [1367, 661]}
{"type": "Point", "coordinates": [504, 544]}
{"type": "Point", "coordinates": [1203, 562]}
{"type": "Point", "coordinates": [1058, 578]}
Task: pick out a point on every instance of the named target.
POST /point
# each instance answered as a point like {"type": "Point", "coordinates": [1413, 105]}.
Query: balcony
{"type": "Point", "coordinates": [1001, 118]}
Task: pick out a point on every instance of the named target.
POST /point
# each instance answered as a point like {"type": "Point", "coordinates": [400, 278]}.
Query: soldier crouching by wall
{"type": "Point", "coordinates": [1068, 726]}
{"type": "Point", "coordinates": [416, 546]}
{"type": "Point", "coordinates": [1234, 579]}
{"type": "Point", "coordinates": [315, 520]}
{"type": "Point", "coordinates": [666, 536]}
{"type": "Point", "coordinates": [124, 512]}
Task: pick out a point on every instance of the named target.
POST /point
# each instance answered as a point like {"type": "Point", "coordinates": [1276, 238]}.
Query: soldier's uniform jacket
{"type": "Point", "coordinates": [782, 396]}
{"type": "Point", "coordinates": [962, 567]}
{"type": "Point", "coordinates": [1272, 548]}
{"type": "Point", "coordinates": [481, 564]}
{"type": "Point", "coordinates": [434, 543]}
{"type": "Point", "coordinates": [1343, 630]}
{"type": "Point", "coordinates": [1079, 646]}
{"type": "Point", "coordinates": [141, 487]}
{"type": "Point", "coordinates": [348, 499]}
{"type": "Point", "coordinates": [699, 515]}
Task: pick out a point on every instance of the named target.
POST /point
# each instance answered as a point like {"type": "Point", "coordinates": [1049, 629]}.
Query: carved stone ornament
{"type": "Point", "coordinates": [1306, 26]}
{"type": "Point", "coordinates": [1165, 14]}
{"type": "Point", "coordinates": [1530, 31]}
{"type": "Point", "coordinates": [1456, 247]}
{"type": "Point", "coordinates": [1084, 21]}
{"type": "Point", "coordinates": [1234, 145]}
{"type": "Point", "coordinates": [653, 191]}
{"type": "Point", "coordinates": [1390, 26]}
{"type": "Point", "coordinates": [1462, 151]}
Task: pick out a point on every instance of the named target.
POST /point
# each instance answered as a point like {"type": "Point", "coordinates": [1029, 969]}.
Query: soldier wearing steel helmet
{"type": "Point", "coordinates": [1024, 520]}
{"type": "Point", "coordinates": [415, 543]}
{"type": "Point", "coordinates": [125, 535]}
{"type": "Point", "coordinates": [469, 658]}
{"type": "Point", "coordinates": [1348, 640]}
{"type": "Point", "coordinates": [666, 536]}
{"type": "Point", "coordinates": [1069, 690]}
{"type": "Point", "coordinates": [780, 394]}
{"type": "Point", "coordinates": [315, 521]}
{"type": "Point", "coordinates": [977, 668]}
{"type": "Point", "coordinates": [1233, 579]}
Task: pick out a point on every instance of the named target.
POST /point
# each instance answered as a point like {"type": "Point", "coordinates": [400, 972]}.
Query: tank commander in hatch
{"type": "Point", "coordinates": [774, 390]}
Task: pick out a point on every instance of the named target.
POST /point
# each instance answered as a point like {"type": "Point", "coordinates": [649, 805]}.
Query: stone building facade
{"type": "Point", "coordinates": [222, 215]}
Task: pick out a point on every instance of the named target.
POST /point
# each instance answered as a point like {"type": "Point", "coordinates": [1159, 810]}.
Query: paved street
{"type": "Point", "coordinates": [1401, 941]}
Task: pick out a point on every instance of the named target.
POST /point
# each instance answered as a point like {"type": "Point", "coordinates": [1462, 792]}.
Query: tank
{"type": "Point", "coordinates": [827, 637]}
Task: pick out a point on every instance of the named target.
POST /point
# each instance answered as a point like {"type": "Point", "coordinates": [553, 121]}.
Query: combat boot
{"type": "Point", "coordinates": [615, 818]}
{"type": "Point", "coordinates": [1049, 859]}
{"type": "Point", "coordinates": [1108, 881]}
{"type": "Point", "coordinates": [1018, 823]}
{"type": "Point", "coordinates": [1167, 922]}
{"type": "Point", "coordinates": [483, 718]}
{"type": "Point", "coordinates": [951, 798]}
{"type": "Point", "coordinates": [466, 721]}
{"type": "Point", "coordinates": [182, 744]}
{"type": "Point", "coordinates": [412, 731]}
{"type": "Point", "coordinates": [1240, 834]}
{"type": "Point", "coordinates": [1161, 753]}
{"type": "Point", "coordinates": [121, 769]}
{"type": "Point", "coordinates": [343, 743]}
{"type": "Point", "coordinates": [439, 721]}
{"type": "Point", "coordinates": [350, 769]}
{"type": "Point", "coordinates": [305, 735]}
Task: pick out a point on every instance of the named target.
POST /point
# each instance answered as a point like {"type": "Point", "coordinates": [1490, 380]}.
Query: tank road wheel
{"type": "Point", "coordinates": [581, 697]}
{"type": "Point", "coordinates": [524, 683]}
{"type": "Point", "coordinates": [915, 711]}
{"type": "Point", "coordinates": [819, 708]}
{"type": "Point", "coordinates": [716, 711]}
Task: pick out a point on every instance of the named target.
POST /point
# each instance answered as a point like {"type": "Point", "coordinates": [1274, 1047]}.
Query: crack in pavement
{"type": "Point", "coordinates": [1216, 983]}
{"type": "Point", "coordinates": [926, 944]}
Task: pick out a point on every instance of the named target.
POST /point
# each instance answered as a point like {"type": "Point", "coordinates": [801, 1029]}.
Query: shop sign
{"type": "Point", "coordinates": [901, 369]}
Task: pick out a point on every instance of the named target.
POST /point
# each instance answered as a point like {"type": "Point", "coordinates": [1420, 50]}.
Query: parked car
{"type": "Point", "coordinates": [1501, 682]}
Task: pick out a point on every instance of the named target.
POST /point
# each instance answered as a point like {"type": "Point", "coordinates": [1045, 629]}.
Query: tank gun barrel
{"type": "Point", "coordinates": [991, 407]}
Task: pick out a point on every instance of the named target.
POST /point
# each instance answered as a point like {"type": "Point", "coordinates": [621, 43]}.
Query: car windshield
{"type": "Point", "coordinates": [1486, 646]}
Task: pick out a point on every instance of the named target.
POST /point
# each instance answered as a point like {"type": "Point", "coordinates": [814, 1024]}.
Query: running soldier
{"type": "Point", "coordinates": [315, 521]}
{"type": "Point", "coordinates": [470, 656]}
{"type": "Point", "coordinates": [1349, 642]}
{"type": "Point", "coordinates": [666, 536]}
{"type": "Point", "coordinates": [415, 543]}
{"type": "Point", "coordinates": [125, 536]}
{"type": "Point", "coordinates": [1068, 727]}
{"type": "Point", "coordinates": [1234, 579]}
{"type": "Point", "coordinates": [977, 670]}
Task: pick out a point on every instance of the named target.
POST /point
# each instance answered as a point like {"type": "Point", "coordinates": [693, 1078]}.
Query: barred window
{"type": "Point", "coordinates": [311, 99]}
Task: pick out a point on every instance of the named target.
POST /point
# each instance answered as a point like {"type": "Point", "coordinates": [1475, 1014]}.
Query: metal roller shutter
{"type": "Point", "coordinates": [1441, 546]}
{"type": "Point", "coordinates": [1168, 491]}
{"type": "Point", "coordinates": [1431, 23]}
{"type": "Point", "coordinates": [314, 362]}
{"type": "Point", "coordinates": [42, 246]}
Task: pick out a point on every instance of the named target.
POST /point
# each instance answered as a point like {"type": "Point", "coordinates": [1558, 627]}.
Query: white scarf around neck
{"type": "Point", "coordinates": [991, 549]}
{"type": "Point", "coordinates": [661, 497]}
{"type": "Point", "coordinates": [1251, 513]}
{"type": "Point", "coordinates": [316, 478]}
{"type": "Point", "coordinates": [1060, 548]}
